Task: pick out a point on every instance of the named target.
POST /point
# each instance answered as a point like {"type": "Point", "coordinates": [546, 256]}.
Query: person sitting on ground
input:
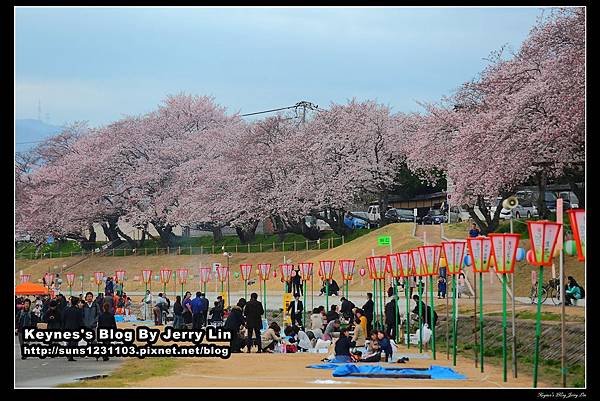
{"type": "Point", "coordinates": [343, 345]}
{"type": "Point", "coordinates": [332, 314]}
{"type": "Point", "coordinates": [360, 315]}
{"type": "Point", "coordinates": [573, 291]}
{"type": "Point", "coordinates": [305, 343]}
{"type": "Point", "coordinates": [216, 313]}
{"type": "Point", "coordinates": [360, 335]}
{"type": "Point", "coordinates": [385, 345]}
{"type": "Point", "coordinates": [316, 321]}
{"type": "Point", "coordinates": [332, 327]}
{"type": "Point", "coordinates": [373, 353]}
{"type": "Point", "coordinates": [271, 337]}
{"type": "Point", "coordinates": [334, 288]}
{"type": "Point", "coordinates": [323, 313]}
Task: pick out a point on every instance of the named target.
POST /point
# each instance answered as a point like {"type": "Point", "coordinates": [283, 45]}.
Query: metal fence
{"type": "Point", "coordinates": [327, 243]}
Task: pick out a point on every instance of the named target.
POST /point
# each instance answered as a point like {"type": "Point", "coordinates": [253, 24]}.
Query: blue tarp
{"type": "Point", "coordinates": [436, 372]}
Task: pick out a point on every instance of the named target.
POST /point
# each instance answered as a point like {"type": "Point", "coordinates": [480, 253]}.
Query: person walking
{"type": "Point", "coordinates": [177, 313]}
{"type": "Point", "coordinates": [147, 304]}
{"type": "Point", "coordinates": [91, 312]}
{"type": "Point", "coordinates": [197, 312]}
{"type": "Point", "coordinates": [25, 319]}
{"type": "Point", "coordinates": [295, 309]}
{"type": "Point", "coordinates": [73, 320]}
{"type": "Point", "coordinates": [254, 311]}
{"type": "Point", "coordinates": [391, 314]}
{"type": "Point", "coordinates": [368, 311]}
{"type": "Point", "coordinates": [106, 320]}
{"type": "Point", "coordinates": [441, 287]}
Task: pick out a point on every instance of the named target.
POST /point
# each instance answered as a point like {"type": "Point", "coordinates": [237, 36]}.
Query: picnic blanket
{"type": "Point", "coordinates": [347, 369]}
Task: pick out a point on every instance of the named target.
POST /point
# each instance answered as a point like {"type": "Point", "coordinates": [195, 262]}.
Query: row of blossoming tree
{"type": "Point", "coordinates": [191, 162]}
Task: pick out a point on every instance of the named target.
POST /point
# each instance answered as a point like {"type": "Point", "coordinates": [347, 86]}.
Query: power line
{"type": "Point", "coordinates": [302, 104]}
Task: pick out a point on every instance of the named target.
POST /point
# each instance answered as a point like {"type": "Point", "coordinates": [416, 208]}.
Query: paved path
{"type": "Point", "coordinates": [35, 372]}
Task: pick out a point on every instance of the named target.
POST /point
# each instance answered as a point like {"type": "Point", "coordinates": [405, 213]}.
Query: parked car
{"type": "Point", "coordinates": [525, 209]}
{"type": "Point", "coordinates": [434, 216]}
{"type": "Point", "coordinates": [400, 215]}
{"type": "Point", "coordinates": [373, 213]}
{"type": "Point", "coordinates": [570, 198]}
{"type": "Point", "coordinates": [312, 221]}
{"type": "Point", "coordinates": [458, 214]}
{"type": "Point", "coordinates": [550, 200]}
{"type": "Point", "coordinates": [357, 220]}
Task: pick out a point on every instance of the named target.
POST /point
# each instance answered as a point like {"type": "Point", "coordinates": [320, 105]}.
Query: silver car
{"type": "Point", "coordinates": [525, 209]}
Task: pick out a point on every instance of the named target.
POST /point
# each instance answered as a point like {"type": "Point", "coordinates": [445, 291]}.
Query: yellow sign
{"type": "Point", "coordinates": [287, 298]}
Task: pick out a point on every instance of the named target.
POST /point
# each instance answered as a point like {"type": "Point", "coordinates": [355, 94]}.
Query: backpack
{"type": "Point", "coordinates": [582, 292]}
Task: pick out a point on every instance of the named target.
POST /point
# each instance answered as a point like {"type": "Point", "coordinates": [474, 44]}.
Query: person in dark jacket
{"type": "Point", "coordinates": [25, 318]}
{"type": "Point", "coordinates": [73, 320]}
{"type": "Point", "coordinates": [91, 312]}
{"type": "Point", "coordinates": [343, 345]}
{"type": "Point", "coordinates": [177, 313]}
{"type": "Point", "coordinates": [332, 314]}
{"type": "Point", "coordinates": [53, 316]}
{"type": "Point", "coordinates": [216, 313]}
{"type": "Point", "coordinates": [368, 312]}
{"type": "Point", "coordinates": [106, 320]}
{"type": "Point", "coordinates": [425, 312]}
{"type": "Point", "coordinates": [346, 308]}
{"type": "Point", "coordinates": [234, 322]}
{"type": "Point", "coordinates": [295, 309]}
{"type": "Point", "coordinates": [385, 345]}
{"type": "Point", "coordinates": [391, 314]}
{"type": "Point", "coordinates": [297, 282]}
{"type": "Point", "coordinates": [254, 311]}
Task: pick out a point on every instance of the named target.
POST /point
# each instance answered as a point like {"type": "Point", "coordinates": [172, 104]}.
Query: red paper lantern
{"type": "Point", "coordinates": [165, 275]}
{"type": "Point", "coordinates": [222, 273]}
{"type": "Point", "coordinates": [377, 266]}
{"type": "Point", "coordinates": [362, 272]}
{"type": "Point", "coordinates": [504, 251]}
{"type": "Point", "coordinates": [286, 271]}
{"type": "Point", "coordinates": [245, 269]}
{"type": "Point", "coordinates": [264, 270]}
{"type": "Point", "coordinates": [147, 275]}
{"type": "Point", "coordinates": [480, 250]}
{"type": "Point", "coordinates": [70, 279]}
{"type": "Point", "coordinates": [327, 267]}
{"type": "Point", "coordinates": [430, 258]}
{"type": "Point", "coordinates": [543, 235]}
{"type": "Point", "coordinates": [530, 257]}
{"type": "Point", "coordinates": [453, 253]}
{"type": "Point", "coordinates": [98, 277]}
{"type": "Point", "coordinates": [347, 268]}
{"type": "Point", "coordinates": [306, 269]}
{"type": "Point", "coordinates": [183, 275]}
{"type": "Point", "coordinates": [417, 267]}
{"type": "Point", "coordinates": [25, 278]}
{"type": "Point", "coordinates": [577, 219]}
{"type": "Point", "coordinates": [205, 274]}
{"type": "Point", "coordinates": [120, 275]}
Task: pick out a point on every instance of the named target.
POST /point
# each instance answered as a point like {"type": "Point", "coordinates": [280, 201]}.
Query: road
{"type": "Point", "coordinates": [35, 372]}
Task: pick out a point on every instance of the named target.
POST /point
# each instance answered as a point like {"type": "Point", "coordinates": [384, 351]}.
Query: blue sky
{"type": "Point", "coordinates": [98, 64]}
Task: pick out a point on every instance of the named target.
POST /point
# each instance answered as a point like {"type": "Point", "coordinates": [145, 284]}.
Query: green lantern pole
{"type": "Point", "coordinates": [503, 328]}
{"type": "Point", "coordinates": [312, 292]}
{"type": "Point", "coordinates": [420, 315]}
{"type": "Point", "coordinates": [265, 292]}
{"type": "Point", "coordinates": [145, 295]}
{"type": "Point", "coordinates": [481, 318]}
{"type": "Point", "coordinates": [407, 321]}
{"type": "Point", "coordinates": [245, 289]}
{"type": "Point", "coordinates": [304, 296]}
{"type": "Point", "coordinates": [71, 290]}
{"type": "Point", "coordinates": [431, 316]}
{"type": "Point", "coordinates": [382, 293]}
{"type": "Point", "coordinates": [81, 278]}
{"type": "Point", "coordinates": [327, 294]}
{"type": "Point", "coordinates": [454, 320]}
{"type": "Point", "coordinates": [397, 335]}
{"type": "Point", "coordinates": [374, 305]}
{"type": "Point", "coordinates": [182, 290]}
{"type": "Point", "coordinates": [538, 327]}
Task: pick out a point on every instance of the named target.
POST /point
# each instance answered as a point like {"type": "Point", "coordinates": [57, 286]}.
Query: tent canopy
{"type": "Point", "coordinates": [30, 288]}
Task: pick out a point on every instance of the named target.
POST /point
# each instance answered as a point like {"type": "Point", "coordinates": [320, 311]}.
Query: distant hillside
{"type": "Point", "coordinates": [28, 130]}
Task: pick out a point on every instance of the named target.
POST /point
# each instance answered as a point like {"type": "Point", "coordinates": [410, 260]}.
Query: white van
{"type": "Point", "coordinates": [373, 213]}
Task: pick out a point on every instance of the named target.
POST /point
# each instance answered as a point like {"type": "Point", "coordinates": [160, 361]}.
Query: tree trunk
{"type": "Point", "coordinates": [89, 243]}
{"type": "Point", "coordinates": [490, 223]}
{"type": "Point", "coordinates": [335, 219]}
{"type": "Point", "coordinates": [217, 233]}
{"type": "Point", "coordinates": [541, 200]}
{"type": "Point", "coordinates": [247, 234]}
{"type": "Point", "coordinates": [110, 230]}
{"type": "Point", "coordinates": [383, 206]}
{"type": "Point", "coordinates": [132, 243]}
{"type": "Point", "coordinates": [165, 232]}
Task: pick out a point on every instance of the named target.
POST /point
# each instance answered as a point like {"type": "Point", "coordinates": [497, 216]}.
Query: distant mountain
{"type": "Point", "coordinates": [28, 130]}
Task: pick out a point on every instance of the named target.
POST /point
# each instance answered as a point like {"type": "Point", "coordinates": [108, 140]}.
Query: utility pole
{"type": "Point", "coordinates": [305, 105]}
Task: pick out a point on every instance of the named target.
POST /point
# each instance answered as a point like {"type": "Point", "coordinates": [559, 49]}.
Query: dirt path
{"type": "Point", "coordinates": [289, 370]}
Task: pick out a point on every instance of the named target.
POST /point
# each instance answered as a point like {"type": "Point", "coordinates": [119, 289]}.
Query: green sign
{"type": "Point", "coordinates": [384, 240]}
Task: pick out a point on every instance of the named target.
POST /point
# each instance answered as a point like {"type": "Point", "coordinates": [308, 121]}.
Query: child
{"type": "Point", "coordinates": [441, 287]}
{"type": "Point", "coordinates": [373, 353]}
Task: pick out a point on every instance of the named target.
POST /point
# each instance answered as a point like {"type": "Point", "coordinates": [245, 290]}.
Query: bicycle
{"type": "Point", "coordinates": [550, 289]}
